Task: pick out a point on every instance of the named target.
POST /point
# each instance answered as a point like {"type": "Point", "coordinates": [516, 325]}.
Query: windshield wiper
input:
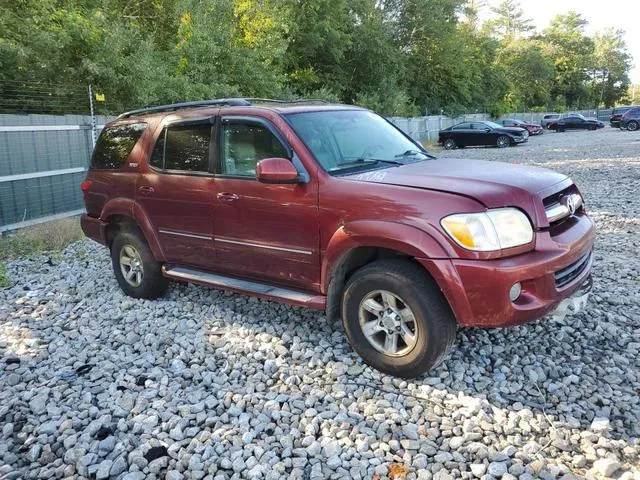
{"type": "Point", "coordinates": [412, 153]}
{"type": "Point", "coordinates": [361, 160]}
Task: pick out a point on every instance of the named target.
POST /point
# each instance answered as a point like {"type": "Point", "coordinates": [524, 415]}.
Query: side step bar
{"type": "Point", "coordinates": [246, 287]}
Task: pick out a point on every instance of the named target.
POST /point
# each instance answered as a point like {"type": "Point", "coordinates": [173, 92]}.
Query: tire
{"type": "Point", "coordinates": [433, 325]}
{"type": "Point", "coordinates": [592, 127]}
{"type": "Point", "coordinates": [559, 130]}
{"type": "Point", "coordinates": [148, 282]}
{"type": "Point", "coordinates": [449, 144]}
{"type": "Point", "coordinates": [503, 141]}
{"type": "Point", "coordinates": [632, 126]}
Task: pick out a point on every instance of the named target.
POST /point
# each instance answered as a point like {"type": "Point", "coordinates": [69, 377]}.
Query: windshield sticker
{"type": "Point", "coordinates": [377, 176]}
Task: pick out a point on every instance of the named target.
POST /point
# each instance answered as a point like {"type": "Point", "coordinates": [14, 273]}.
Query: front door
{"type": "Point", "coordinates": [268, 232]}
{"type": "Point", "coordinates": [177, 193]}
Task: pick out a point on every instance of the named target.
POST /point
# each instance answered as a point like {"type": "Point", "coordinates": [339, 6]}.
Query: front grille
{"type": "Point", "coordinates": [573, 271]}
{"type": "Point", "coordinates": [555, 205]}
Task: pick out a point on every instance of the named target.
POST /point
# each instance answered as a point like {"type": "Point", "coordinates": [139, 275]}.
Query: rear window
{"type": "Point", "coordinates": [183, 148]}
{"type": "Point", "coordinates": [115, 144]}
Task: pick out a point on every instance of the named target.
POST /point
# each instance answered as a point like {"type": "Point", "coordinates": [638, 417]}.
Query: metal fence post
{"type": "Point", "coordinates": [93, 118]}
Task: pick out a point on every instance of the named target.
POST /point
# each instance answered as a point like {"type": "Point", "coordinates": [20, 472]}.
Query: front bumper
{"type": "Point", "coordinates": [478, 290]}
{"type": "Point", "coordinates": [520, 139]}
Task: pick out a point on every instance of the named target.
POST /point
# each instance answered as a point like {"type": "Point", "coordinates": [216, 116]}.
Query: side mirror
{"type": "Point", "coordinates": [276, 170]}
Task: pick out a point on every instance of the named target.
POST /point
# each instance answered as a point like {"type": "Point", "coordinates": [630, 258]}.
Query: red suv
{"type": "Point", "coordinates": [332, 207]}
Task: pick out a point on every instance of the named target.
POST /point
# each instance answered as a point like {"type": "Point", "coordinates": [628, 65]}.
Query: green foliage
{"type": "Point", "coordinates": [5, 281]}
{"type": "Point", "coordinates": [398, 57]}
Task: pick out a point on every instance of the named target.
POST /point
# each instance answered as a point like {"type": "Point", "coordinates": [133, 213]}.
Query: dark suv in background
{"type": "Point", "coordinates": [616, 115]}
{"type": "Point", "coordinates": [332, 207]}
{"type": "Point", "coordinates": [630, 120]}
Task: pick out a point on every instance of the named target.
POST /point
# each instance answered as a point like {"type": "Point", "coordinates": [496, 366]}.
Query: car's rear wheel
{"type": "Point", "coordinates": [138, 273]}
{"type": "Point", "coordinates": [503, 141]}
{"type": "Point", "coordinates": [397, 319]}
{"type": "Point", "coordinates": [633, 126]}
{"type": "Point", "coordinates": [449, 144]}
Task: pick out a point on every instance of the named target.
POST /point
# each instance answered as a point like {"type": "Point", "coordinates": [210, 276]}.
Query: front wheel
{"type": "Point", "coordinates": [138, 273]}
{"type": "Point", "coordinates": [396, 318]}
{"type": "Point", "coordinates": [449, 144]}
{"type": "Point", "coordinates": [503, 141]}
{"type": "Point", "coordinates": [632, 126]}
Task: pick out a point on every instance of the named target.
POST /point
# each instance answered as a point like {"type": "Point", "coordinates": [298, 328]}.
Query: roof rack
{"type": "Point", "coordinates": [229, 102]}
{"type": "Point", "coordinates": [274, 100]}
{"type": "Point", "coordinates": [235, 102]}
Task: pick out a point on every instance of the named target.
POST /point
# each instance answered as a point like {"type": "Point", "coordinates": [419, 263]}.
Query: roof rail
{"type": "Point", "coordinates": [275, 100]}
{"type": "Point", "coordinates": [229, 102]}
{"type": "Point", "coordinates": [198, 103]}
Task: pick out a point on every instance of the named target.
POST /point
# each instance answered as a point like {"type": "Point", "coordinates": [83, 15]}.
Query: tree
{"type": "Point", "coordinates": [510, 21]}
{"type": "Point", "coordinates": [612, 63]}
{"type": "Point", "coordinates": [572, 51]}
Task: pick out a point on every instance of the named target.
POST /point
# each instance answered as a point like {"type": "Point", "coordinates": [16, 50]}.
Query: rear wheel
{"type": "Point", "coordinates": [397, 319]}
{"type": "Point", "coordinates": [138, 273]}
{"type": "Point", "coordinates": [449, 144]}
{"type": "Point", "coordinates": [633, 126]}
{"type": "Point", "coordinates": [503, 141]}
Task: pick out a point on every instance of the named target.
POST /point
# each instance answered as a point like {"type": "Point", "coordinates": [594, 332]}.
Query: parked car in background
{"type": "Point", "coordinates": [575, 121]}
{"type": "Point", "coordinates": [548, 119]}
{"type": "Point", "coordinates": [616, 115]}
{"type": "Point", "coordinates": [631, 119]}
{"type": "Point", "coordinates": [331, 207]}
{"type": "Point", "coordinates": [471, 134]}
{"type": "Point", "coordinates": [532, 128]}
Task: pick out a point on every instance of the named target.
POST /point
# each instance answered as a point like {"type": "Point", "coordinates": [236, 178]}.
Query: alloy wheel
{"type": "Point", "coordinates": [388, 323]}
{"type": "Point", "coordinates": [131, 265]}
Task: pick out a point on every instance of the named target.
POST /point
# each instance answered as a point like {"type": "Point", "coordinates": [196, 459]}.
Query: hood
{"type": "Point", "coordinates": [494, 184]}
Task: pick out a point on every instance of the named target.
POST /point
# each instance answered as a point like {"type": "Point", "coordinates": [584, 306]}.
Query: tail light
{"type": "Point", "coordinates": [84, 186]}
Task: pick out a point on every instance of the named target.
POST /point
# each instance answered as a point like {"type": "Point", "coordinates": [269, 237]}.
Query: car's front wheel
{"type": "Point", "coordinates": [138, 273]}
{"type": "Point", "coordinates": [397, 319]}
{"type": "Point", "coordinates": [503, 141]}
{"type": "Point", "coordinates": [632, 126]}
{"type": "Point", "coordinates": [449, 144]}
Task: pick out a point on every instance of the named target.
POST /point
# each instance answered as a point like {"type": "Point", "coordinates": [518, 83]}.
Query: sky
{"type": "Point", "coordinates": [600, 15]}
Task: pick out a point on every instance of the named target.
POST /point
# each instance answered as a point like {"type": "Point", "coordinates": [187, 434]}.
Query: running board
{"type": "Point", "coordinates": [246, 287]}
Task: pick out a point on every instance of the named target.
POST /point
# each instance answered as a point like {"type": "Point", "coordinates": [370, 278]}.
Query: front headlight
{"type": "Point", "coordinates": [492, 230]}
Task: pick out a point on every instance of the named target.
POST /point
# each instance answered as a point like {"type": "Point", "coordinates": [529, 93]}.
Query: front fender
{"type": "Point", "coordinates": [412, 241]}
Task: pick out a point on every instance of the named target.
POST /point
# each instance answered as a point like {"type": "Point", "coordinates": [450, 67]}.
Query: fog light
{"type": "Point", "coordinates": [515, 291]}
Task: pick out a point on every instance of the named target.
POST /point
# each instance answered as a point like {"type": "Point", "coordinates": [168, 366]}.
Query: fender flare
{"type": "Point", "coordinates": [128, 208]}
{"type": "Point", "coordinates": [407, 239]}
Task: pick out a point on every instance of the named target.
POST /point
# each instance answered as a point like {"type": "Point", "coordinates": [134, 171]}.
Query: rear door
{"type": "Point", "coordinates": [177, 192]}
{"type": "Point", "coordinates": [463, 134]}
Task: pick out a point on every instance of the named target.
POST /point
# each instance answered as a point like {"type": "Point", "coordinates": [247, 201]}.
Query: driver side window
{"type": "Point", "coordinates": [244, 145]}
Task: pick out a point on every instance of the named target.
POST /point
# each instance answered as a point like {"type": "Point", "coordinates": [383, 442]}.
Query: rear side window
{"type": "Point", "coordinates": [183, 148]}
{"type": "Point", "coordinates": [115, 144]}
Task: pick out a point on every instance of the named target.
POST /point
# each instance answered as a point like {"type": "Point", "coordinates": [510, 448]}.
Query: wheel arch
{"type": "Point", "coordinates": [360, 243]}
{"type": "Point", "coordinates": [123, 213]}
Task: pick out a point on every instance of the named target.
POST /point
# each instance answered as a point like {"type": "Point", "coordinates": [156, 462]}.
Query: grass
{"type": "Point", "coordinates": [45, 237]}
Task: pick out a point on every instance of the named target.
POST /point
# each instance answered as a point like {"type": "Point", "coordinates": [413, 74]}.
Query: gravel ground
{"type": "Point", "coordinates": [205, 384]}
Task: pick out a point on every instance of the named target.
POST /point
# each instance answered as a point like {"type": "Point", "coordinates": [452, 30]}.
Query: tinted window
{"type": "Point", "coordinates": [187, 148]}
{"type": "Point", "coordinates": [244, 145]}
{"type": "Point", "coordinates": [114, 145]}
{"type": "Point", "coordinates": [157, 157]}
{"type": "Point", "coordinates": [462, 126]}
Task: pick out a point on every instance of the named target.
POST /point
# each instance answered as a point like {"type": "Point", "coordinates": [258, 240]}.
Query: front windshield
{"type": "Point", "coordinates": [353, 140]}
{"type": "Point", "coordinates": [493, 124]}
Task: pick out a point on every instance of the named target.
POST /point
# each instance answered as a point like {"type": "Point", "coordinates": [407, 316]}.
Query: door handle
{"type": "Point", "coordinates": [146, 190]}
{"type": "Point", "coordinates": [227, 197]}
